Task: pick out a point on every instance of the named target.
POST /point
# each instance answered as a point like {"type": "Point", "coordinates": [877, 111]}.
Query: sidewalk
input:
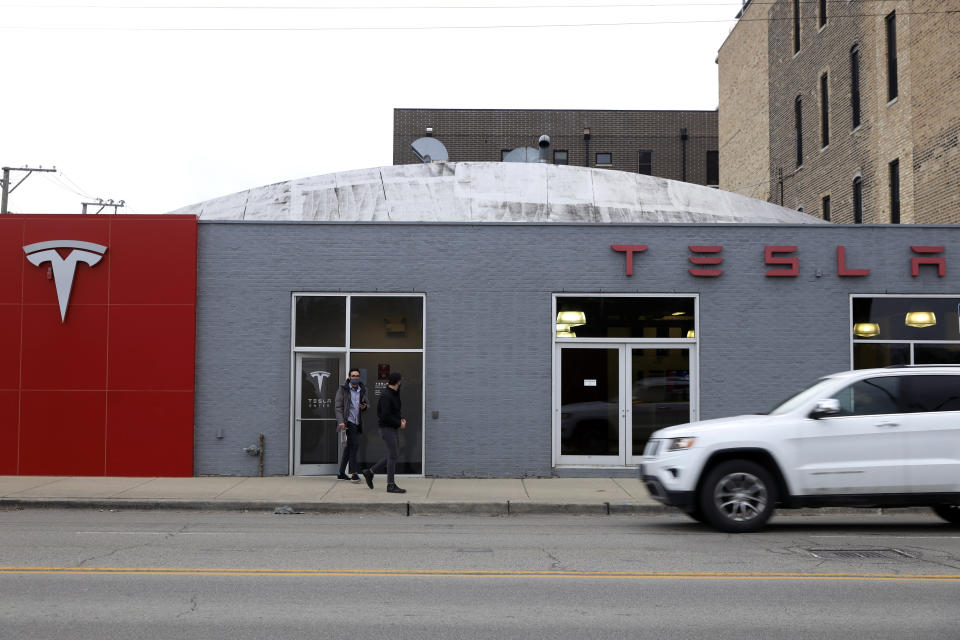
{"type": "Point", "coordinates": [325, 494]}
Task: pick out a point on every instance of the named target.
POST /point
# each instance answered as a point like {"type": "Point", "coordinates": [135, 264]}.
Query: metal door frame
{"type": "Point", "coordinates": [298, 467]}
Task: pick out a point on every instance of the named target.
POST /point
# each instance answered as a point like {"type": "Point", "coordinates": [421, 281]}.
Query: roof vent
{"type": "Point", "coordinates": [529, 154]}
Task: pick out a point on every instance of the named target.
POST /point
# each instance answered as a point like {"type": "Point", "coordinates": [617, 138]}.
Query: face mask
{"type": "Point", "coordinates": [354, 381]}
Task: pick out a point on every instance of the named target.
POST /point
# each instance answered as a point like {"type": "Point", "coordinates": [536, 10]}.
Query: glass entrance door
{"type": "Point", "coordinates": [316, 440]}
{"type": "Point", "coordinates": [610, 398]}
{"type": "Point", "coordinates": [660, 393]}
{"type": "Point", "coordinates": [591, 405]}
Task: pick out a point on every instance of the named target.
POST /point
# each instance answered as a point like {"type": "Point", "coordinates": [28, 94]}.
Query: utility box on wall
{"type": "Point", "coordinates": [97, 344]}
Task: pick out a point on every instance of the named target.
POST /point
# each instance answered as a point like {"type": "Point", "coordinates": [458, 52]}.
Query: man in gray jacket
{"type": "Point", "coordinates": [350, 403]}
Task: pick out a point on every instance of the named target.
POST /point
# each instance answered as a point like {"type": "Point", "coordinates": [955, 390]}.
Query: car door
{"type": "Point", "coordinates": [858, 451]}
{"type": "Point", "coordinates": [931, 429]}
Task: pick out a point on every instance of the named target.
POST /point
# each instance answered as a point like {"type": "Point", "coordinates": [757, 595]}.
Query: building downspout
{"type": "Point", "coordinates": [586, 143]}
{"type": "Point", "coordinates": [683, 154]}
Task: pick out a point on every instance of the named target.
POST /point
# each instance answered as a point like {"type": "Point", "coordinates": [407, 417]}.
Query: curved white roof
{"type": "Point", "coordinates": [492, 192]}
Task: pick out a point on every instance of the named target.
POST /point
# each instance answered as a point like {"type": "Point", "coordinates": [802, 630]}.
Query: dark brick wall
{"type": "Point", "coordinates": [478, 135]}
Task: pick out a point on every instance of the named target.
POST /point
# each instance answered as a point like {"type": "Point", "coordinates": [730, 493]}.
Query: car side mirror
{"type": "Point", "coordinates": [825, 408]}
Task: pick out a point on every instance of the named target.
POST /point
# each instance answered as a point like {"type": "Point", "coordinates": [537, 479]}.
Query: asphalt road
{"type": "Point", "coordinates": [137, 574]}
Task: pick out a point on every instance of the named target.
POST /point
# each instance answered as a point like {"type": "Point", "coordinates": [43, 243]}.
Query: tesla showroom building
{"type": "Point", "coordinates": [546, 319]}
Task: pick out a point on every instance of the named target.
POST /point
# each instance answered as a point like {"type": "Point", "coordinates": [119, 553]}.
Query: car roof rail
{"type": "Point", "coordinates": [919, 366]}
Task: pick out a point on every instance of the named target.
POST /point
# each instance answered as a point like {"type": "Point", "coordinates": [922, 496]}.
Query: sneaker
{"type": "Point", "coordinates": [392, 488]}
{"type": "Point", "coordinates": [368, 476]}
{"type": "Point", "coordinates": [355, 479]}
{"type": "Point", "coordinates": [341, 476]}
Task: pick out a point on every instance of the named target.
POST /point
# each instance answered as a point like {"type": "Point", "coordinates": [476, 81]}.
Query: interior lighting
{"type": "Point", "coordinates": [866, 329]}
{"type": "Point", "coordinates": [678, 313]}
{"type": "Point", "coordinates": [566, 334]}
{"type": "Point", "coordinates": [691, 334]}
{"type": "Point", "coordinates": [920, 319]}
{"type": "Point", "coordinates": [572, 318]}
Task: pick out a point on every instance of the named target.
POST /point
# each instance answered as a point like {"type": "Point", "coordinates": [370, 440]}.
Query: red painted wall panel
{"type": "Point", "coordinates": [138, 246]}
{"type": "Point", "coordinates": [9, 346]}
{"type": "Point", "coordinates": [72, 355]}
{"type": "Point", "coordinates": [158, 360]}
{"type": "Point", "coordinates": [110, 388]}
{"type": "Point", "coordinates": [11, 259]}
{"type": "Point", "coordinates": [9, 415]}
{"type": "Point", "coordinates": [63, 433]}
{"type": "Point", "coordinates": [140, 424]}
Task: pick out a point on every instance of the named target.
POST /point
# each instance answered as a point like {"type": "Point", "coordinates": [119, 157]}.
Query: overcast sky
{"type": "Point", "coordinates": [163, 103]}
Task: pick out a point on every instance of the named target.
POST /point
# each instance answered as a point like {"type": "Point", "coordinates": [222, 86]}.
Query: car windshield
{"type": "Point", "coordinates": [800, 398]}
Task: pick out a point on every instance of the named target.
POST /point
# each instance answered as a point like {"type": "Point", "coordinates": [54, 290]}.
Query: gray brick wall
{"type": "Point", "coordinates": [760, 338]}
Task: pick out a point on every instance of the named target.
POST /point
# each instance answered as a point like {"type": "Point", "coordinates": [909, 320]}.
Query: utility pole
{"type": "Point", "coordinates": [103, 204]}
{"type": "Point", "coordinates": [5, 184]}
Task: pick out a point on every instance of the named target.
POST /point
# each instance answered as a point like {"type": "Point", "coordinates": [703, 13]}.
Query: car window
{"type": "Point", "coordinates": [870, 397]}
{"type": "Point", "coordinates": [930, 393]}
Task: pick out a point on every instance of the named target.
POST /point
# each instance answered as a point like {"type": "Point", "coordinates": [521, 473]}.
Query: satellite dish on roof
{"type": "Point", "coordinates": [522, 154]}
{"type": "Point", "coordinates": [430, 150]}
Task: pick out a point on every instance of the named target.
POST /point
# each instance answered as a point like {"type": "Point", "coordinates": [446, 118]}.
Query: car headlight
{"type": "Point", "coordinates": [680, 444]}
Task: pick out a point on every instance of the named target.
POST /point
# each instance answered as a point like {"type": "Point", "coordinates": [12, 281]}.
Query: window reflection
{"type": "Point", "coordinates": [633, 317]}
{"type": "Point", "coordinates": [321, 321]}
{"type": "Point", "coordinates": [384, 322]}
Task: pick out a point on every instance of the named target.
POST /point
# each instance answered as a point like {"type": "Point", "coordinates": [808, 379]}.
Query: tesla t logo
{"type": "Point", "coordinates": [64, 268]}
{"type": "Point", "coordinates": [319, 377]}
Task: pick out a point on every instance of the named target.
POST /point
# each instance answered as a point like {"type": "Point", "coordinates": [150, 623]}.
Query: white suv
{"type": "Point", "coordinates": [867, 438]}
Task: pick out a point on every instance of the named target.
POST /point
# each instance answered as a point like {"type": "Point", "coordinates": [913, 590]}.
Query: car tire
{"type": "Point", "coordinates": [737, 496]}
{"type": "Point", "coordinates": [697, 514]}
{"type": "Point", "coordinates": [949, 512]}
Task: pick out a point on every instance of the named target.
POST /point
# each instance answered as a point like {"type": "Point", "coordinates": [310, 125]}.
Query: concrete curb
{"type": "Point", "coordinates": [405, 508]}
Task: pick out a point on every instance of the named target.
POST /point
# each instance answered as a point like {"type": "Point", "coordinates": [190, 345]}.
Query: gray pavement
{"type": "Point", "coordinates": [496, 496]}
{"type": "Point", "coordinates": [326, 494]}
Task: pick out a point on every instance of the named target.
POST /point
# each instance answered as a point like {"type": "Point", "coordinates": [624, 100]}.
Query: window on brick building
{"type": "Point", "coordinates": [892, 89]}
{"type": "Point", "coordinates": [561, 157]}
{"type": "Point", "coordinates": [824, 111]}
{"type": "Point", "coordinates": [796, 26]}
{"type": "Point", "coordinates": [895, 191]}
{"type": "Point", "coordinates": [822, 14]}
{"type": "Point", "coordinates": [798, 125]}
{"type": "Point", "coordinates": [825, 208]}
{"type": "Point", "coordinates": [604, 159]}
{"type": "Point", "coordinates": [645, 162]}
{"type": "Point", "coordinates": [858, 200]}
{"type": "Point", "coordinates": [855, 85]}
{"type": "Point", "coordinates": [713, 167]}
{"type": "Point", "coordinates": [503, 153]}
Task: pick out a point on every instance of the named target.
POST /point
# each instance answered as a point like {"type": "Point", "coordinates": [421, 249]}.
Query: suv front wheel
{"type": "Point", "coordinates": [737, 496]}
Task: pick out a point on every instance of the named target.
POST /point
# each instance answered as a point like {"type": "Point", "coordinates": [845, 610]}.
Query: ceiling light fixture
{"type": "Point", "coordinates": [920, 319]}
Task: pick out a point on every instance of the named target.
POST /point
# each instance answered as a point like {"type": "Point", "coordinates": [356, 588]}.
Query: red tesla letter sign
{"type": "Point", "coordinates": [770, 258]}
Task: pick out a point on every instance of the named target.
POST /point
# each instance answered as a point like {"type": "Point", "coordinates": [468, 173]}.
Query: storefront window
{"type": "Point", "coordinates": [321, 321]}
{"type": "Point", "coordinates": [375, 368]}
{"type": "Point", "coordinates": [889, 330]}
{"type": "Point", "coordinates": [378, 335]}
{"type": "Point", "coordinates": [381, 322]}
{"type": "Point", "coordinates": [627, 317]}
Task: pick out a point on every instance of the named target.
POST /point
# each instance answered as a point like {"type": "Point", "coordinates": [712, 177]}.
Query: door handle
{"type": "Point", "coordinates": [888, 424]}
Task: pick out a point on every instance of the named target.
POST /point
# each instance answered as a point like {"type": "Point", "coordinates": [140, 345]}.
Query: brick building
{"type": "Point", "coordinates": [847, 110]}
{"type": "Point", "coordinates": [679, 145]}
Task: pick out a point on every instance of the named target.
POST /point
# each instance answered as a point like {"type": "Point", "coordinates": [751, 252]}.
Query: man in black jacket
{"type": "Point", "coordinates": [388, 411]}
{"type": "Point", "coordinates": [349, 405]}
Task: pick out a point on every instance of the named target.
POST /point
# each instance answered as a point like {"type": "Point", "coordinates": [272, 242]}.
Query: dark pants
{"type": "Point", "coordinates": [350, 451]}
{"type": "Point", "coordinates": [389, 463]}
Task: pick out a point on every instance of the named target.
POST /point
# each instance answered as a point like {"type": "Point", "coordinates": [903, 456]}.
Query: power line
{"type": "Point", "coordinates": [452, 27]}
{"type": "Point", "coordinates": [404, 7]}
